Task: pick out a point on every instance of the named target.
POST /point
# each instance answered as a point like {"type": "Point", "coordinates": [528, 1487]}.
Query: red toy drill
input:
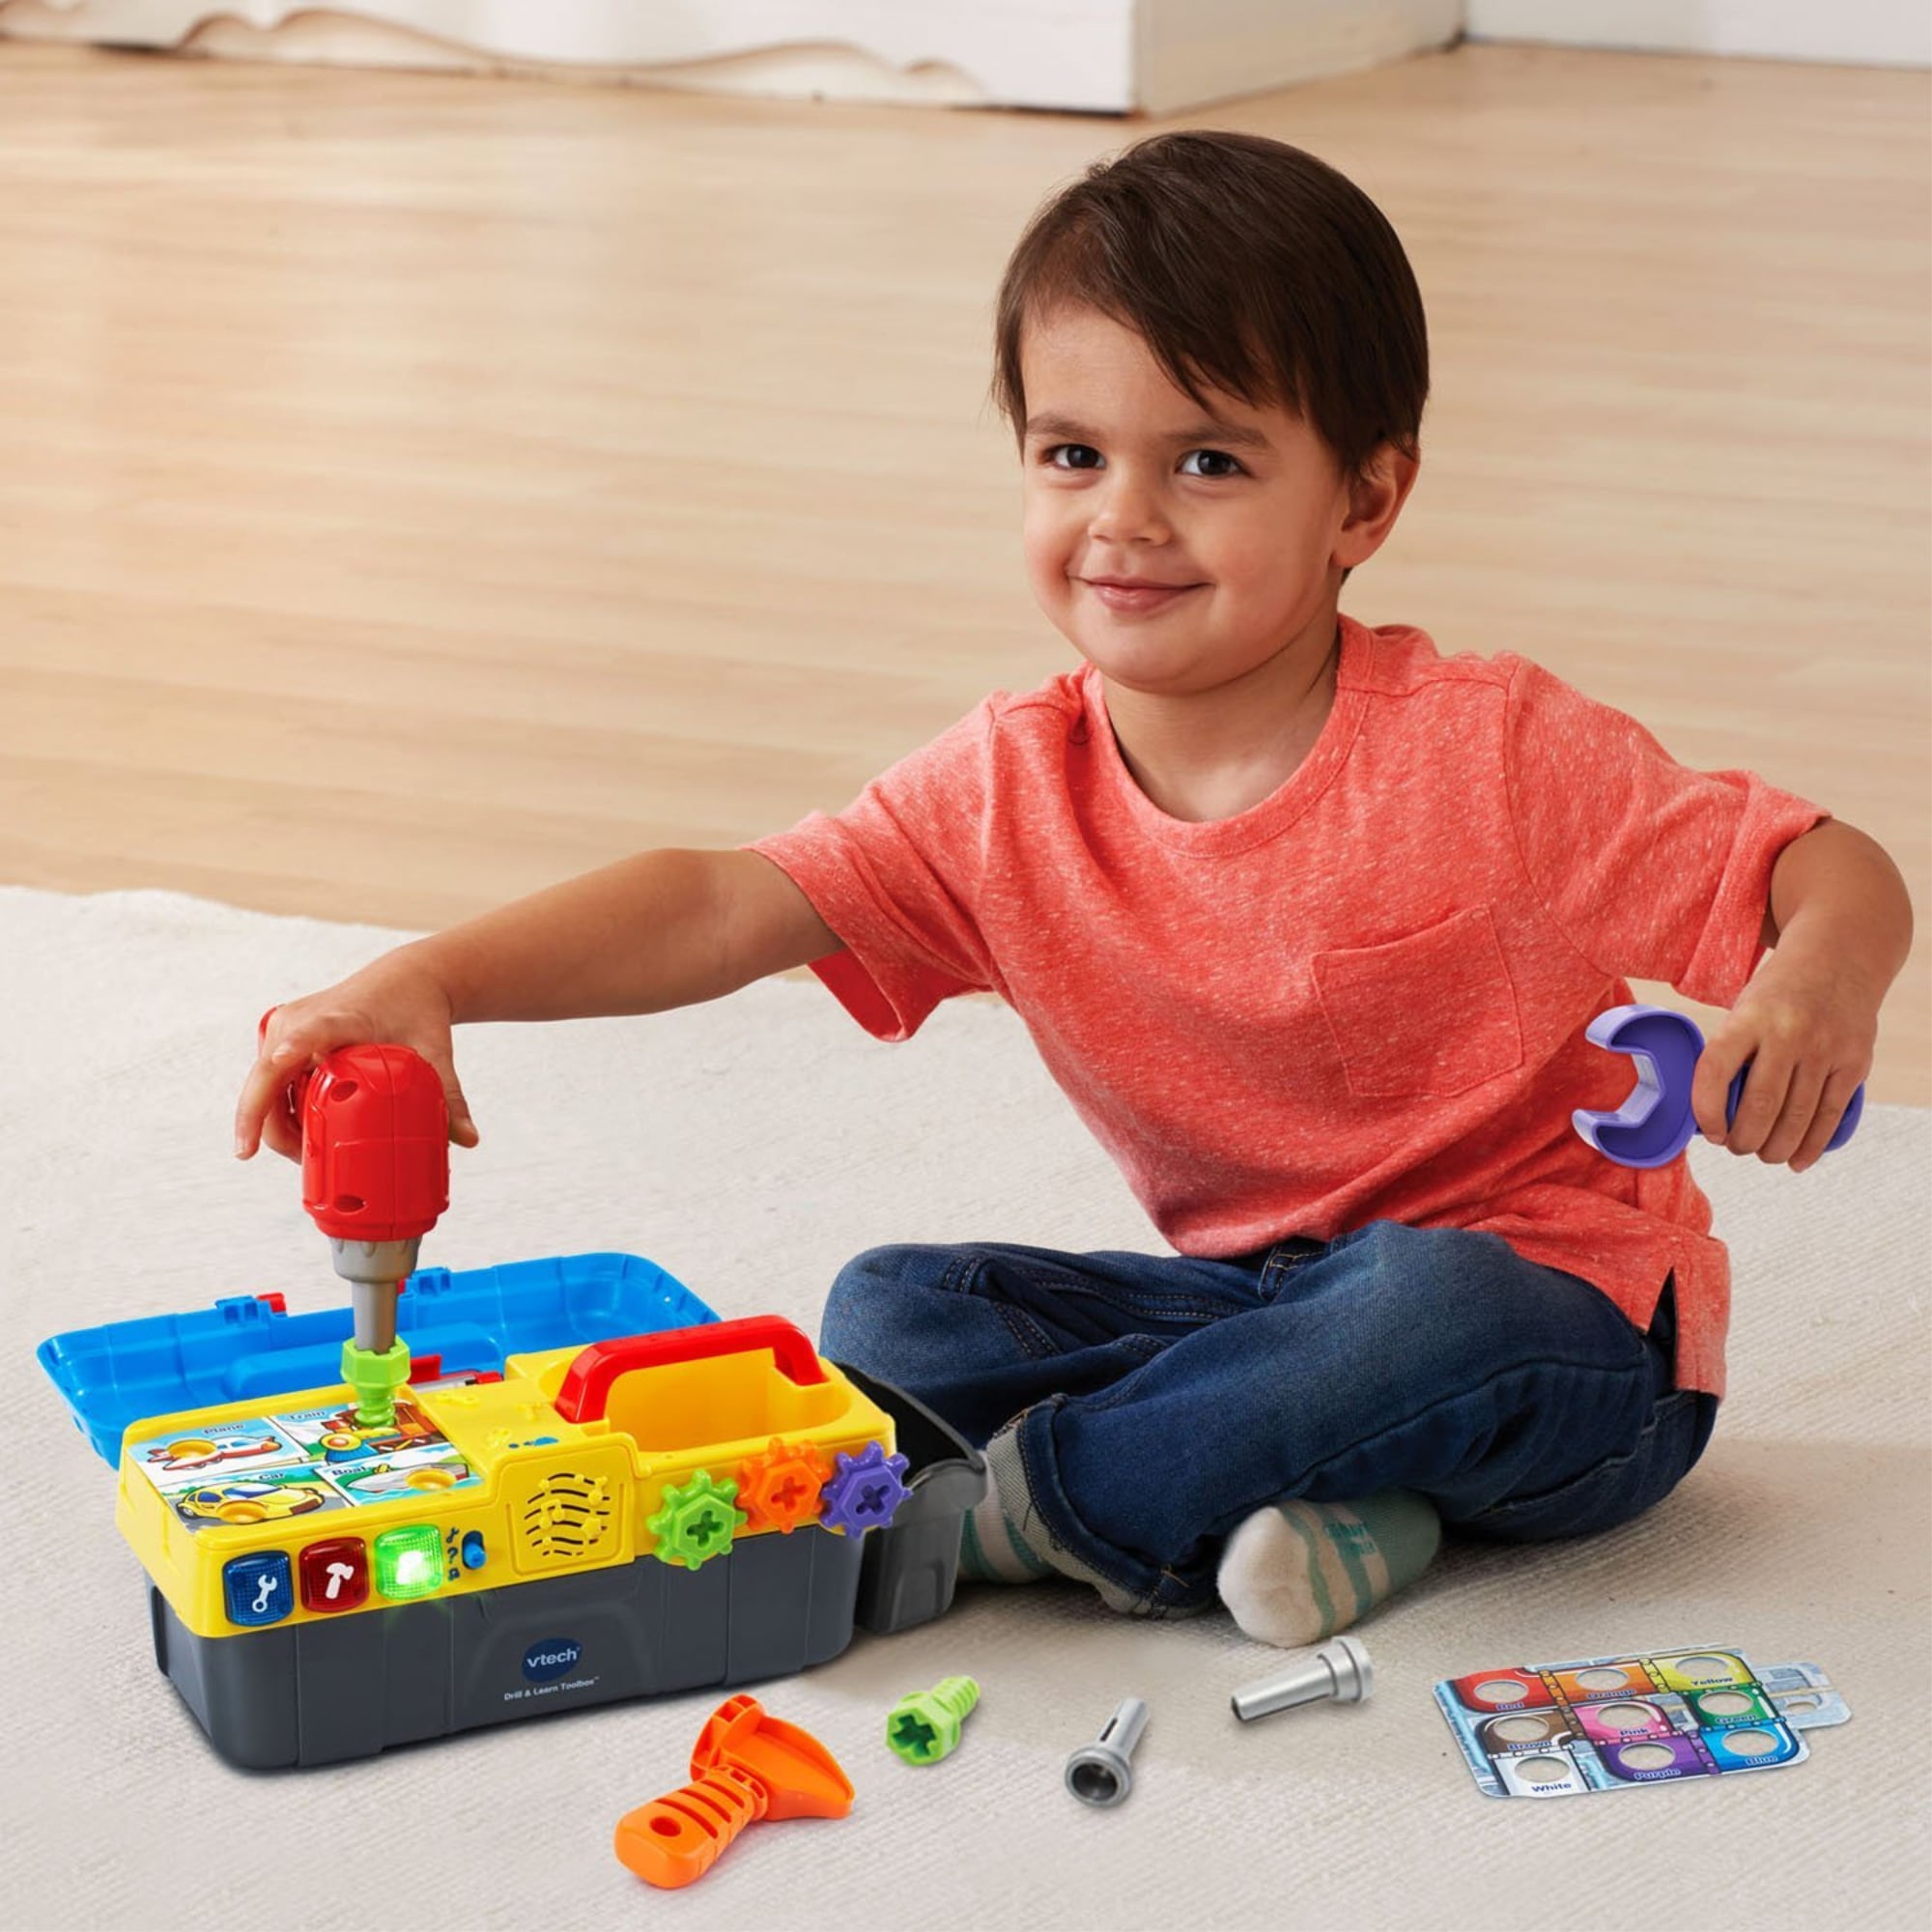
{"type": "Point", "coordinates": [374, 1140]}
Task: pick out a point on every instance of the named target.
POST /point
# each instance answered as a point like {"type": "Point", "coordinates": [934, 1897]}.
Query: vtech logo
{"type": "Point", "coordinates": [550, 1658]}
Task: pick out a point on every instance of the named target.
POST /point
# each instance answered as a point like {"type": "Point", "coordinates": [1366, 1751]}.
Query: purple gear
{"type": "Point", "coordinates": [866, 1491]}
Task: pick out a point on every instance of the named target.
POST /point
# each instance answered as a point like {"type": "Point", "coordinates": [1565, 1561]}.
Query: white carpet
{"type": "Point", "coordinates": [750, 1147]}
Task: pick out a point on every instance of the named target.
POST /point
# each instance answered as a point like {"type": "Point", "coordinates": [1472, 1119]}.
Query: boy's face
{"type": "Point", "coordinates": [1177, 548]}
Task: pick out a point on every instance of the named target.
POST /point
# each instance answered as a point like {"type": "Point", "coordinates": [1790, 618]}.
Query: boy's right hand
{"type": "Point", "coordinates": [395, 1000]}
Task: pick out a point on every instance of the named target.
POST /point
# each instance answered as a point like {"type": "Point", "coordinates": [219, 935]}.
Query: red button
{"type": "Point", "coordinates": [335, 1575]}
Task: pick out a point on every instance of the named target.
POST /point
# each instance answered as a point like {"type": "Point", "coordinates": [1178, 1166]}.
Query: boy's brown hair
{"type": "Point", "coordinates": [1246, 266]}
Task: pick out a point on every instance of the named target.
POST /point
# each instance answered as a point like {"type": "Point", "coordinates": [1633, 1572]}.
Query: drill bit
{"type": "Point", "coordinates": [374, 1363]}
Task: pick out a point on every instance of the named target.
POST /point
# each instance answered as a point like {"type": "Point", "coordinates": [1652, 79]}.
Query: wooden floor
{"type": "Point", "coordinates": [413, 490]}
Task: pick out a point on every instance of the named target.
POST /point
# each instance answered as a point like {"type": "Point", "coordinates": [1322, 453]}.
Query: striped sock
{"type": "Point", "coordinates": [1003, 1539]}
{"type": "Point", "coordinates": [1297, 1572]}
{"type": "Point", "coordinates": [991, 1550]}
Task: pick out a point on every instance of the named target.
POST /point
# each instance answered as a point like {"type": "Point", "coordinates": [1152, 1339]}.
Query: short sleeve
{"type": "Point", "coordinates": [1653, 870]}
{"type": "Point", "coordinates": [895, 875]}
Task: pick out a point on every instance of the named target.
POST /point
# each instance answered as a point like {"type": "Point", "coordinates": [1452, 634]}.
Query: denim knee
{"type": "Point", "coordinates": [872, 1298]}
{"type": "Point", "coordinates": [849, 1304]}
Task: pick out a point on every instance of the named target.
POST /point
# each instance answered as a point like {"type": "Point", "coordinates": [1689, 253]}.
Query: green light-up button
{"type": "Point", "coordinates": [409, 1562]}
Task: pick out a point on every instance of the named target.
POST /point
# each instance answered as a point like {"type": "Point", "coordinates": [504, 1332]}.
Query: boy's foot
{"type": "Point", "coordinates": [1004, 1541]}
{"type": "Point", "coordinates": [1295, 1572]}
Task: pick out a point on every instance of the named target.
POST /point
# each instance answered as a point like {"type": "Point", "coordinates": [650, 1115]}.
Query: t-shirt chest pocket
{"type": "Point", "coordinates": [1425, 1017]}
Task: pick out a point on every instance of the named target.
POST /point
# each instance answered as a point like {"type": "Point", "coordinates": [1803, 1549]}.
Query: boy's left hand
{"type": "Point", "coordinates": [1807, 1026]}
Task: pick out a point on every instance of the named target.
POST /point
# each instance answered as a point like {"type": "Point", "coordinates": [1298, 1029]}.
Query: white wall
{"type": "Point", "coordinates": [1888, 32]}
{"type": "Point", "coordinates": [1105, 55]}
{"type": "Point", "coordinates": [1069, 53]}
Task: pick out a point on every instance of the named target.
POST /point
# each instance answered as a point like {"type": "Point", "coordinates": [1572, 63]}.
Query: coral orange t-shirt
{"type": "Point", "coordinates": [1364, 998]}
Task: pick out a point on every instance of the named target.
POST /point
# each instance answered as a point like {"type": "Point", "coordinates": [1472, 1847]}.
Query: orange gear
{"type": "Point", "coordinates": [779, 1489]}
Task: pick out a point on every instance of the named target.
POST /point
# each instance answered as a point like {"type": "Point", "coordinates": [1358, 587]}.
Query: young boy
{"type": "Point", "coordinates": [1307, 921]}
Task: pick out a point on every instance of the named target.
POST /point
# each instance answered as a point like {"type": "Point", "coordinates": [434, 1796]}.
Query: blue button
{"type": "Point", "coordinates": [473, 1555]}
{"type": "Point", "coordinates": [257, 1588]}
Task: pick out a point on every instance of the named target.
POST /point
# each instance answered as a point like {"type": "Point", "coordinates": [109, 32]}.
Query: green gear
{"type": "Point", "coordinates": [696, 1521]}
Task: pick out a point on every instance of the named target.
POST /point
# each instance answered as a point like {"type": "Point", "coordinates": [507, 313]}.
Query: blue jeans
{"type": "Point", "coordinates": [1161, 1399]}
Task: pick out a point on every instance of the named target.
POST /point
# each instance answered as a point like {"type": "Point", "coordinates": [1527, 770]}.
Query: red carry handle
{"type": "Point", "coordinates": [586, 1387]}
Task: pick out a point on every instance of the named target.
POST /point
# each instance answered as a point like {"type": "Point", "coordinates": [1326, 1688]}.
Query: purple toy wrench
{"type": "Point", "coordinates": [1654, 1124]}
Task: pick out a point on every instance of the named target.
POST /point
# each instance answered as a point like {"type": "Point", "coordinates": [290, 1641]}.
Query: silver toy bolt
{"type": "Point", "coordinates": [1097, 1774]}
{"type": "Point", "coordinates": [1340, 1671]}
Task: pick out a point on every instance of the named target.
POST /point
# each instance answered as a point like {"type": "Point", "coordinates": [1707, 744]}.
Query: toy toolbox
{"type": "Point", "coordinates": [595, 1490]}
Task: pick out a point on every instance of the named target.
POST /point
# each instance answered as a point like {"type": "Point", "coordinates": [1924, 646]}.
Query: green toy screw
{"type": "Point", "coordinates": [924, 1728]}
{"type": "Point", "coordinates": [375, 1376]}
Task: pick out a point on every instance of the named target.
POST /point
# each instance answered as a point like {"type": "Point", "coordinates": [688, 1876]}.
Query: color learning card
{"type": "Point", "coordinates": [1598, 1723]}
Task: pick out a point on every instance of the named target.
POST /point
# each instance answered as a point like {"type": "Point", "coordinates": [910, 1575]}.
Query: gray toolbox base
{"type": "Point", "coordinates": [321, 1692]}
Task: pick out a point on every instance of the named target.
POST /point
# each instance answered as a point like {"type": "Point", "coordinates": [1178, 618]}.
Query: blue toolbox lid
{"type": "Point", "coordinates": [247, 1345]}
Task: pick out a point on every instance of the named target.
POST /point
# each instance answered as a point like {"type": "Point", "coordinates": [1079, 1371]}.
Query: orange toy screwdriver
{"type": "Point", "coordinates": [745, 1765]}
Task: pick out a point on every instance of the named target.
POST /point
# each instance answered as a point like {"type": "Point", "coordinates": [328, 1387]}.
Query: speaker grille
{"type": "Point", "coordinates": [568, 1517]}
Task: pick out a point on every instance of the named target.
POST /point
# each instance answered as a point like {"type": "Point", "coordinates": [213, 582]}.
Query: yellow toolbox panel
{"type": "Point", "coordinates": [674, 1445]}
